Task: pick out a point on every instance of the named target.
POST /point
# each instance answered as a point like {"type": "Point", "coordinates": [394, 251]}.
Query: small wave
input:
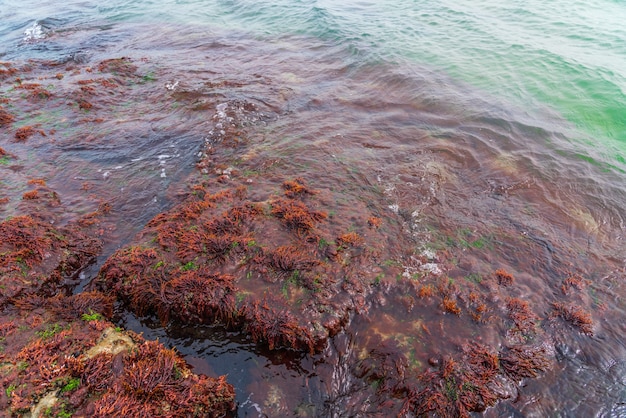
{"type": "Point", "coordinates": [34, 32]}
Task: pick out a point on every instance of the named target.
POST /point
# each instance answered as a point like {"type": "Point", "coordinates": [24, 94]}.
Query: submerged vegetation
{"type": "Point", "coordinates": [221, 241]}
{"type": "Point", "coordinates": [60, 353]}
{"type": "Point", "coordinates": [258, 245]}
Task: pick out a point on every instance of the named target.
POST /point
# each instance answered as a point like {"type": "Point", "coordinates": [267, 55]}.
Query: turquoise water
{"type": "Point", "coordinates": [565, 58]}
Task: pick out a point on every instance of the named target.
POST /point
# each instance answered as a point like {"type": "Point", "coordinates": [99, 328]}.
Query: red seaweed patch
{"type": "Point", "coordinates": [65, 358]}
{"type": "Point", "coordinates": [215, 258]}
{"type": "Point", "coordinates": [504, 277]}
{"type": "Point", "coordinates": [575, 315]}
{"type": "Point", "coordinates": [60, 353]}
{"type": "Point", "coordinates": [296, 187]}
{"type": "Point", "coordinates": [118, 66]}
{"type": "Point", "coordinates": [260, 246]}
{"type": "Point", "coordinates": [7, 70]}
{"type": "Point", "coordinates": [574, 281]}
{"type": "Point", "coordinates": [524, 319]}
{"type": "Point", "coordinates": [152, 381]}
{"type": "Point", "coordinates": [5, 117]}
{"type": "Point", "coordinates": [471, 381]}
{"type": "Point", "coordinates": [520, 362]}
{"type": "Point", "coordinates": [212, 257]}
{"type": "Point", "coordinates": [25, 132]}
{"type": "Point", "coordinates": [297, 216]}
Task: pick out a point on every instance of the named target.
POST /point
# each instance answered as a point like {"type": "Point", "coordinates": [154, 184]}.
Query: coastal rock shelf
{"type": "Point", "coordinates": [60, 352]}
{"type": "Point", "coordinates": [388, 275]}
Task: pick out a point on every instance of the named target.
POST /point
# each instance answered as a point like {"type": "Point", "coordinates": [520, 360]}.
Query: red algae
{"type": "Point", "coordinates": [252, 264]}
{"type": "Point", "coordinates": [276, 265]}
{"type": "Point", "coordinates": [278, 327]}
{"type": "Point", "coordinates": [350, 239]}
{"type": "Point", "coordinates": [84, 104]}
{"type": "Point", "coordinates": [286, 260]}
{"type": "Point", "coordinates": [471, 381]}
{"type": "Point", "coordinates": [522, 316]}
{"type": "Point", "coordinates": [37, 182]}
{"type": "Point", "coordinates": [455, 388]}
{"type": "Point", "coordinates": [7, 70]}
{"type": "Point", "coordinates": [374, 222]}
{"type": "Point", "coordinates": [479, 307]}
{"type": "Point", "coordinates": [574, 315]}
{"type": "Point", "coordinates": [25, 236]}
{"type": "Point", "coordinates": [449, 305]}
{"type": "Point", "coordinates": [33, 194]}
{"type": "Point", "coordinates": [25, 132]}
{"type": "Point", "coordinates": [253, 246]}
{"type": "Point", "coordinates": [521, 362]}
{"type": "Point", "coordinates": [37, 256]}
{"type": "Point", "coordinates": [36, 91]}
{"type": "Point", "coordinates": [156, 382]}
{"type": "Point", "coordinates": [118, 66]}
{"type": "Point", "coordinates": [426, 291]}
{"type": "Point", "coordinates": [572, 282]}
{"type": "Point", "coordinates": [163, 286]}
{"type": "Point", "coordinates": [297, 216]}
{"type": "Point", "coordinates": [504, 278]}
{"type": "Point", "coordinates": [61, 354]}
{"type": "Point", "coordinates": [82, 366]}
{"type": "Point", "coordinates": [5, 117]}
{"type": "Point", "coordinates": [296, 187]}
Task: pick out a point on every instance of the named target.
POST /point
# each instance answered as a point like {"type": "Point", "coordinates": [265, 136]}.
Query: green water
{"type": "Point", "coordinates": [566, 57]}
{"type": "Point", "coordinates": [563, 57]}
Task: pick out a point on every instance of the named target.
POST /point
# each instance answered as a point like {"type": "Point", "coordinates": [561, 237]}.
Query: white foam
{"type": "Point", "coordinates": [171, 86]}
{"type": "Point", "coordinates": [432, 268]}
{"type": "Point", "coordinates": [429, 254]}
{"type": "Point", "coordinates": [34, 32]}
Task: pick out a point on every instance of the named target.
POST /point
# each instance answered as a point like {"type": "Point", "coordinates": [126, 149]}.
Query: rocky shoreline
{"type": "Point", "coordinates": [291, 261]}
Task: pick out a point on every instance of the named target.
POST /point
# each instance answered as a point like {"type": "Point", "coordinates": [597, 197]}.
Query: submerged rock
{"type": "Point", "coordinates": [59, 353]}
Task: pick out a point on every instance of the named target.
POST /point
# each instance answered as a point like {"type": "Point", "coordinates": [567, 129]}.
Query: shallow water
{"type": "Point", "coordinates": [467, 179]}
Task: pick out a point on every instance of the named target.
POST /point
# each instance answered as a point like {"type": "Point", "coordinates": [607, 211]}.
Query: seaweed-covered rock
{"type": "Point", "coordinates": [62, 356]}
{"type": "Point", "coordinates": [277, 268]}
{"type": "Point", "coordinates": [59, 353]}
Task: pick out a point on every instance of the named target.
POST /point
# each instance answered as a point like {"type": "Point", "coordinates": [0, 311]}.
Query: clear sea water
{"type": "Point", "coordinates": [566, 58]}
{"type": "Point", "coordinates": [532, 89]}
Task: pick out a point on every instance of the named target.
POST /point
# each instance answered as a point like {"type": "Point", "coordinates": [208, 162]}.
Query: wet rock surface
{"type": "Point", "coordinates": [361, 267]}
{"type": "Point", "coordinates": [60, 353]}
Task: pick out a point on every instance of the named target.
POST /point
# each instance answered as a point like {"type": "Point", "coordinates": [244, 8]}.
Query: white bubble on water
{"type": "Point", "coordinates": [34, 32]}
{"type": "Point", "coordinates": [172, 86]}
